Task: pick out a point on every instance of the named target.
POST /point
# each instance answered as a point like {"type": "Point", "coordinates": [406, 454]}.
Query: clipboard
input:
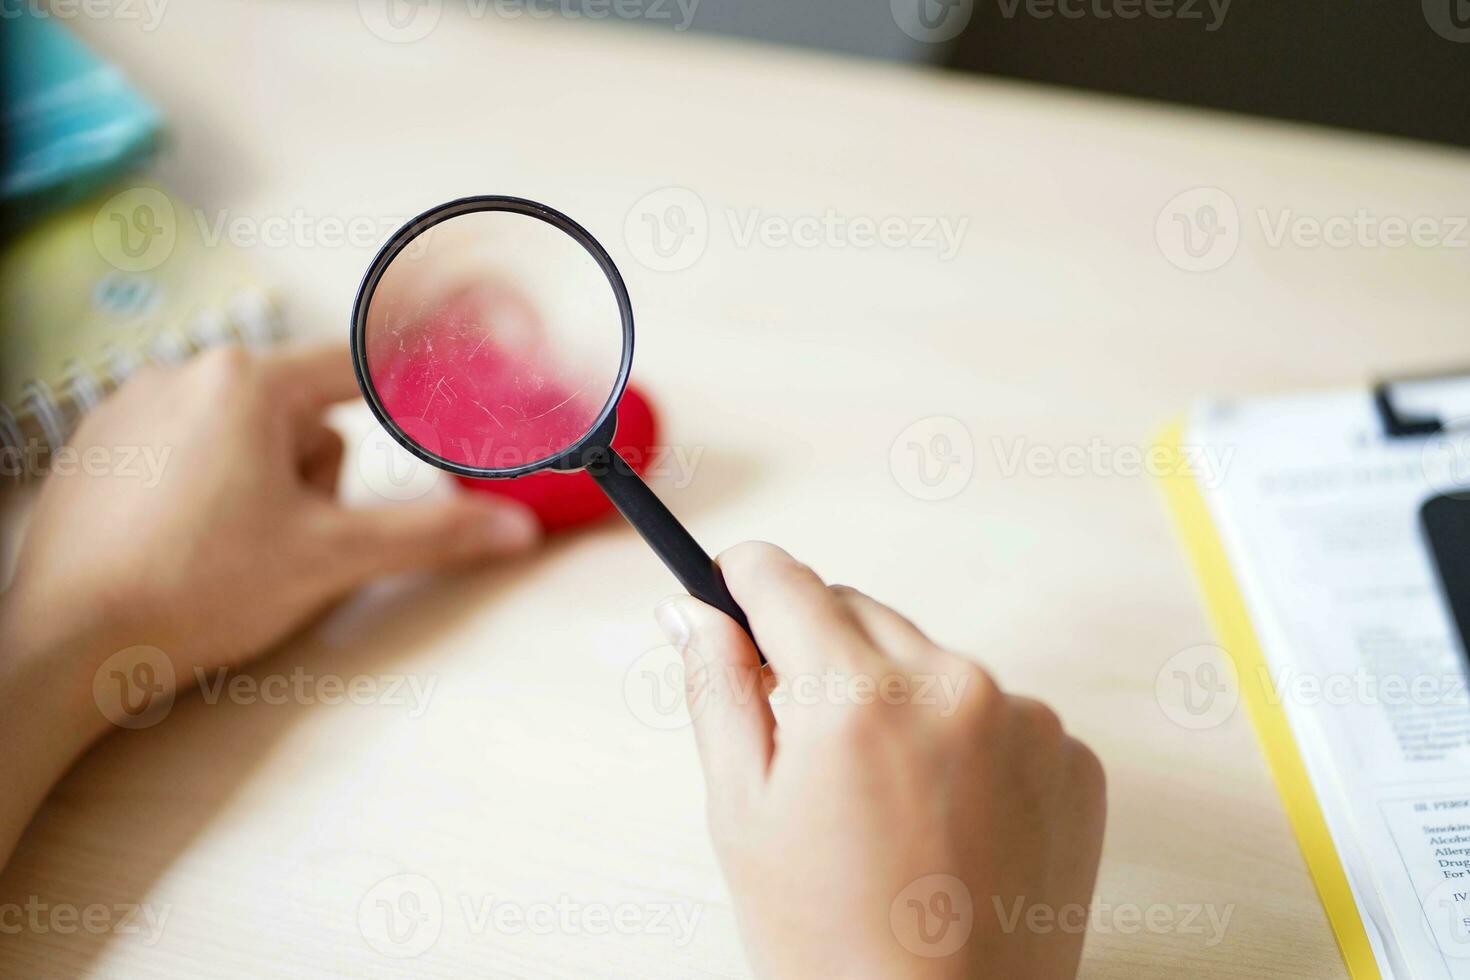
{"type": "Point", "coordinates": [1228, 615]}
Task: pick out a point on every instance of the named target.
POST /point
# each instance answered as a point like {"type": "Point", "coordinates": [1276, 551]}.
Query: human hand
{"type": "Point", "coordinates": [903, 810]}
{"type": "Point", "coordinates": [231, 539]}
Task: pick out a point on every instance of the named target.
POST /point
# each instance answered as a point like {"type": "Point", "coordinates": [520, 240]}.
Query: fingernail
{"type": "Point", "coordinates": [672, 621]}
{"type": "Point", "coordinates": [512, 528]}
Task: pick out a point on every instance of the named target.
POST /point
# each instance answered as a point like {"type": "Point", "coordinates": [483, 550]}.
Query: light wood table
{"type": "Point", "coordinates": [261, 830]}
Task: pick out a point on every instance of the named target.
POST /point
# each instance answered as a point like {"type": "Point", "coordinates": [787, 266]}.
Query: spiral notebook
{"type": "Point", "coordinates": [95, 290]}
{"type": "Point", "coordinates": [100, 271]}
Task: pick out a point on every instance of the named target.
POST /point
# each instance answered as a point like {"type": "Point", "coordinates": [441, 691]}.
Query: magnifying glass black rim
{"type": "Point", "coordinates": [598, 435]}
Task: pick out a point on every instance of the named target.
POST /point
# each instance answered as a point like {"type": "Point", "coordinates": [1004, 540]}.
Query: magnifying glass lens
{"type": "Point", "coordinates": [494, 340]}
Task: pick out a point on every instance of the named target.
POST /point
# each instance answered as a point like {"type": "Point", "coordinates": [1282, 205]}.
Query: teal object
{"type": "Point", "coordinates": [72, 121]}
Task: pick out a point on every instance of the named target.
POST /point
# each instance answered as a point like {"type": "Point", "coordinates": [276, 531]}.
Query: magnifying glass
{"type": "Point", "coordinates": [492, 337]}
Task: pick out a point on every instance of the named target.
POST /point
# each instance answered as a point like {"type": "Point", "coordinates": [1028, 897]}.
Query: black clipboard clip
{"type": "Point", "coordinates": [1400, 424]}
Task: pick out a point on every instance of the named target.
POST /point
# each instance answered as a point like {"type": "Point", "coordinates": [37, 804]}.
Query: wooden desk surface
{"type": "Point", "coordinates": [260, 830]}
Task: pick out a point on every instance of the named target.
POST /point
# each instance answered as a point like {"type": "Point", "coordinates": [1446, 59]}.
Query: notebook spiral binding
{"type": "Point", "coordinates": [46, 417]}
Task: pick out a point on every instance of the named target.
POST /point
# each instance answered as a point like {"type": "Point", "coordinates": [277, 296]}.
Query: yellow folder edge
{"type": "Point", "coordinates": [1231, 622]}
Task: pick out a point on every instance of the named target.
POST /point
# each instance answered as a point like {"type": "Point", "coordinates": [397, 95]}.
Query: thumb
{"type": "Point", "coordinates": [733, 725]}
{"type": "Point", "coordinates": [431, 534]}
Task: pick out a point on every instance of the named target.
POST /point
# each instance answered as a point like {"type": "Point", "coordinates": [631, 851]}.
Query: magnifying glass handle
{"type": "Point", "coordinates": [694, 569]}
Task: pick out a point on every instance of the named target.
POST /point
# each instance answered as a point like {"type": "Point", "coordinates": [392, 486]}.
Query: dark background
{"type": "Point", "coordinates": [1376, 65]}
{"type": "Point", "coordinates": [1400, 67]}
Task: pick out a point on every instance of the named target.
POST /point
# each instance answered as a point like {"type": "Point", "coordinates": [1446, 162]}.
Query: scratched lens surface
{"type": "Point", "coordinates": [494, 340]}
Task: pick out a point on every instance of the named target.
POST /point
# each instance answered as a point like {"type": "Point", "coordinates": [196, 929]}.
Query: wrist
{"type": "Point", "coordinates": [47, 671]}
{"type": "Point", "coordinates": [48, 716]}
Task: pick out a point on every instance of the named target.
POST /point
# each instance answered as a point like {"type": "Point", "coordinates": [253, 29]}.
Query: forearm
{"type": "Point", "coordinates": [47, 716]}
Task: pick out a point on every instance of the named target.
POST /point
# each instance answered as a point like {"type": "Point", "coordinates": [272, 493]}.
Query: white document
{"type": "Point", "coordinates": [1319, 513]}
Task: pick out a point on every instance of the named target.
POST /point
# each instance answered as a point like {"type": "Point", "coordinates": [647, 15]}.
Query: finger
{"type": "Point", "coordinates": [800, 625]}
{"type": "Point", "coordinates": [891, 631]}
{"type": "Point", "coordinates": [430, 534]}
{"type": "Point", "coordinates": [733, 725]}
{"type": "Point", "coordinates": [321, 459]}
{"type": "Point", "coordinates": [1038, 723]}
{"type": "Point", "coordinates": [311, 378]}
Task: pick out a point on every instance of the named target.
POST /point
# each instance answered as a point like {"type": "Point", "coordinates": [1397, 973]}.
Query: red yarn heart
{"type": "Point", "coordinates": [564, 500]}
